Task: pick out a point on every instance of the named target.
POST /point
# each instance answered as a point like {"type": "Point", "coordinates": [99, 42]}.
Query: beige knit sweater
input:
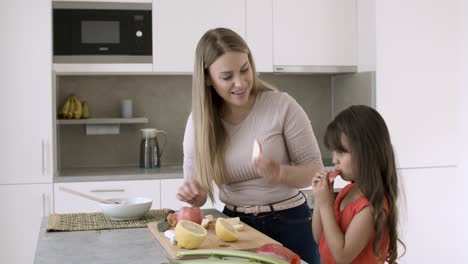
{"type": "Point", "coordinates": [285, 134]}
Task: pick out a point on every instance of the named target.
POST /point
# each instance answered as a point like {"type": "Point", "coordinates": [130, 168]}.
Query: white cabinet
{"type": "Point", "coordinates": [427, 219]}
{"type": "Point", "coordinates": [69, 203]}
{"type": "Point", "coordinates": [314, 33]}
{"type": "Point", "coordinates": [178, 25]}
{"type": "Point", "coordinates": [169, 188]}
{"type": "Point", "coordinates": [23, 207]}
{"type": "Point", "coordinates": [416, 83]}
{"type": "Point", "coordinates": [259, 35]}
{"type": "Point", "coordinates": [26, 91]}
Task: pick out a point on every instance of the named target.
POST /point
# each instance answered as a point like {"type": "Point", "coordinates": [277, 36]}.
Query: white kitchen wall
{"type": "Point", "coordinates": [461, 182]}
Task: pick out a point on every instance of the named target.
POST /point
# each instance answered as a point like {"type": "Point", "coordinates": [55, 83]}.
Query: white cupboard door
{"type": "Point", "coordinates": [23, 208]}
{"type": "Point", "coordinates": [416, 82]}
{"type": "Point", "coordinates": [169, 188]}
{"type": "Point", "coordinates": [259, 35]}
{"type": "Point", "coordinates": [178, 25]}
{"type": "Point", "coordinates": [26, 91]}
{"type": "Point", "coordinates": [314, 32]}
{"type": "Point", "coordinates": [69, 203]}
{"type": "Point", "coordinates": [427, 221]}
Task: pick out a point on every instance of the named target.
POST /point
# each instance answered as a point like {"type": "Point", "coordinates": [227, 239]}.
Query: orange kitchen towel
{"type": "Point", "coordinates": [97, 221]}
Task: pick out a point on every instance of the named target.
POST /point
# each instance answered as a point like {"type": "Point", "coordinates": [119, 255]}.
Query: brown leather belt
{"type": "Point", "coordinates": [256, 209]}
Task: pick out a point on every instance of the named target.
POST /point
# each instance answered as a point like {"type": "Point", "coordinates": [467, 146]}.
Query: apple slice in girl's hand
{"type": "Point", "coordinates": [256, 150]}
{"type": "Point", "coordinates": [332, 175]}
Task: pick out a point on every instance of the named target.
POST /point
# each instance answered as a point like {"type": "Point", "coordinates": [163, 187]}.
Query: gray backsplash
{"type": "Point", "coordinates": [165, 101]}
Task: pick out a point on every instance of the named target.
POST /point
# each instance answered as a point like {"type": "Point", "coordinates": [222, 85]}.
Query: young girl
{"type": "Point", "coordinates": [360, 226]}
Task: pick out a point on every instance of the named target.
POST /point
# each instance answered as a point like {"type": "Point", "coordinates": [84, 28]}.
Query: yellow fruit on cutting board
{"type": "Point", "coordinates": [189, 235]}
{"type": "Point", "coordinates": [225, 231]}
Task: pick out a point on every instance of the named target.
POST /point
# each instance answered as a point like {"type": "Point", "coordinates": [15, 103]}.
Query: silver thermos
{"type": "Point", "coordinates": [150, 152]}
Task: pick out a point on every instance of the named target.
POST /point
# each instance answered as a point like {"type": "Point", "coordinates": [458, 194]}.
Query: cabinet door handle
{"type": "Point", "coordinates": [108, 190]}
{"type": "Point", "coordinates": [43, 205]}
{"type": "Point", "coordinates": [44, 160]}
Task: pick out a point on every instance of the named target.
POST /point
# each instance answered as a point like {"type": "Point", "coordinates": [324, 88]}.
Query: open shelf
{"type": "Point", "coordinates": [102, 121]}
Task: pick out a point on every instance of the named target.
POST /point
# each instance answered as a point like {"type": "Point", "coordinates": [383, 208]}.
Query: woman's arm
{"type": "Point", "coordinates": [298, 176]}
{"type": "Point", "coordinates": [190, 192]}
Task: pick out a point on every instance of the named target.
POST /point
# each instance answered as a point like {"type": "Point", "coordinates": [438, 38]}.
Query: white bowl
{"type": "Point", "coordinates": [127, 209]}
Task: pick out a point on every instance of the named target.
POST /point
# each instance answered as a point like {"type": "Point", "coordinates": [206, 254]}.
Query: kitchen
{"type": "Point", "coordinates": [391, 42]}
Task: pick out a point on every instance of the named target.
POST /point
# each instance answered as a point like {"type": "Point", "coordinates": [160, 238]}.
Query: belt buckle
{"type": "Point", "coordinates": [254, 209]}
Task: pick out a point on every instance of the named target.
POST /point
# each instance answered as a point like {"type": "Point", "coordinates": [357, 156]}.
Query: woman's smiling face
{"type": "Point", "coordinates": [232, 77]}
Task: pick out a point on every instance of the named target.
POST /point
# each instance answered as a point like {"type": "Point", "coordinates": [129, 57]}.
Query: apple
{"type": "Point", "coordinates": [332, 175]}
{"type": "Point", "coordinates": [193, 214]}
{"type": "Point", "coordinates": [172, 219]}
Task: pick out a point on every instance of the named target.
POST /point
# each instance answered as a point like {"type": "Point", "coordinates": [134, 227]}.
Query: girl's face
{"type": "Point", "coordinates": [232, 78]}
{"type": "Point", "coordinates": [343, 160]}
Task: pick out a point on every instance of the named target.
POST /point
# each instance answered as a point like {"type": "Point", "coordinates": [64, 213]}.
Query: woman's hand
{"type": "Point", "coordinates": [323, 190]}
{"type": "Point", "coordinates": [193, 193]}
{"type": "Point", "coordinates": [267, 168]}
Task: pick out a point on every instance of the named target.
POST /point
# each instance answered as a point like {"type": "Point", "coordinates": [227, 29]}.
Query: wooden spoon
{"type": "Point", "coordinates": [87, 196]}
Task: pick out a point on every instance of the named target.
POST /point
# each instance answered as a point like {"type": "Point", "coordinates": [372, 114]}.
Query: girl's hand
{"type": "Point", "coordinates": [267, 168]}
{"type": "Point", "coordinates": [192, 192]}
{"type": "Point", "coordinates": [323, 191]}
{"type": "Point", "coordinates": [318, 178]}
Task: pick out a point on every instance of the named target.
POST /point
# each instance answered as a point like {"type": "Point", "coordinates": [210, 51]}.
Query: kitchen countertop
{"type": "Point", "coordinates": [132, 245]}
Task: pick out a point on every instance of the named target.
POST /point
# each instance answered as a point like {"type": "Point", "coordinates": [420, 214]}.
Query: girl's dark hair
{"type": "Point", "coordinates": [374, 167]}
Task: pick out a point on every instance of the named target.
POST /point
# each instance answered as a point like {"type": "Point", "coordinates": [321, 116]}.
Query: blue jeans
{"type": "Point", "coordinates": [291, 227]}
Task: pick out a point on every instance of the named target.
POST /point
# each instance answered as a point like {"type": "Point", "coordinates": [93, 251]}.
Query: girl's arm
{"type": "Point", "coordinates": [343, 246]}
{"type": "Point", "coordinates": [316, 219]}
{"type": "Point", "coordinates": [346, 247]}
{"type": "Point", "coordinates": [316, 223]}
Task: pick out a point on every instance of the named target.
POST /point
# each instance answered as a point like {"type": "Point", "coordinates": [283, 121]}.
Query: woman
{"type": "Point", "coordinates": [232, 107]}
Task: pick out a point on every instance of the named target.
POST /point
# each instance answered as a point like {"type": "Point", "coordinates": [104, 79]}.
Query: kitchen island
{"type": "Point", "coordinates": [113, 246]}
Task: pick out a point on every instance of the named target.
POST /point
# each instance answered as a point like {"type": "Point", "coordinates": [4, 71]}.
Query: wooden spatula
{"type": "Point", "coordinates": [87, 196]}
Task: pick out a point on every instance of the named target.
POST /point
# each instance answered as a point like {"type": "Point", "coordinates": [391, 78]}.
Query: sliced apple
{"type": "Point", "coordinates": [233, 220]}
{"type": "Point", "coordinates": [205, 222]}
{"type": "Point", "coordinates": [256, 150]}
{"type": "Point", "coordinates": [238, 227]}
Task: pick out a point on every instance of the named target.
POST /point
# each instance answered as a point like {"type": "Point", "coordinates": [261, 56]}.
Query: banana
{"type": "Point", "coordinates": [77, 109]}
{"type": "Point", "coordinates": [71, 109]}
{"type": "Point", "coordinates": [65, 107]}
{"type": "Point", "coordinates": [85, 109]}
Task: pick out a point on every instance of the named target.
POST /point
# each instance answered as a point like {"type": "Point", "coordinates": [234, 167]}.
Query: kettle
{"type": "Point", "coordinates": [150, 152]}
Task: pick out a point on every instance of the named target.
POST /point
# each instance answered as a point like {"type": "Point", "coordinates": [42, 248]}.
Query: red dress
{"type": "Point", "coordinates": [344, 219]}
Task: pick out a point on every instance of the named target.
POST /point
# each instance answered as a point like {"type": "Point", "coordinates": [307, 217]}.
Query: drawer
{"type": "Point", "coordinates": [68, 203]}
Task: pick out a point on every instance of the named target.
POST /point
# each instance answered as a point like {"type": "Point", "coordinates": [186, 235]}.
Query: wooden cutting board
{"type": "Point", "coordinates": [249, 240]}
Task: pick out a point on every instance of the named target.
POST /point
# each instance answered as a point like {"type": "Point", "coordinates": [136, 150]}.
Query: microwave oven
{"type": "Point", "coordinates": [85, 32]}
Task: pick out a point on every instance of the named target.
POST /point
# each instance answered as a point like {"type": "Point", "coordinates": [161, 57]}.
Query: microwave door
{"type": "Point", "coordinates": [100, 32]}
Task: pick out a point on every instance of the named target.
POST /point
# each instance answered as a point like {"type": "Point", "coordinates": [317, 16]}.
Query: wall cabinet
{"type": "Point", "coordinates": [416, 83]}
{"type": "Point", "coordinates": [23, 206]}
{"type": "Point", "coordinates": [69, 203]}
{"type": "Point", "coordinates": [169, 188]}
{"type": "Point", "coordinates": [26, 90]}
{"type": "Point", "coordinates": [179, 24]}
{"type": "Point", "coordinates": [314, 33]}
{"type": "Point", "coordinates": [259, 35]}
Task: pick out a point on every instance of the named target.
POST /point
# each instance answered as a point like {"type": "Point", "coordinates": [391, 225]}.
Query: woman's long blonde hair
{"type": "Point", "coordinates": [210, 136]}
